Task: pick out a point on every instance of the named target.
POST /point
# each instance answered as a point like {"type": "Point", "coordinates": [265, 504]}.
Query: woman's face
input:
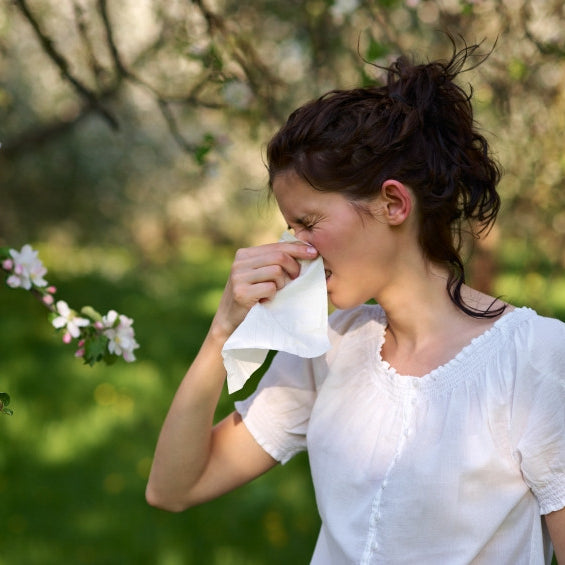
{"type": "Point", "coordinates": [357, 248]}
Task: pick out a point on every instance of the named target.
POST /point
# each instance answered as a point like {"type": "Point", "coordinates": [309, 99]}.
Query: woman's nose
{"type": "Point", "coordinates": [303, 235]}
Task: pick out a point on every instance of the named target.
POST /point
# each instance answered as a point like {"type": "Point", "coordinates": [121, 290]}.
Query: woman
{"type": "Point", "coordinates": [435, 424]}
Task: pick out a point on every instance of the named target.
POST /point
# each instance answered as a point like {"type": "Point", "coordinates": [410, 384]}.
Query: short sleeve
{"type": "Point", "coordinates": [278, 412]}
{"type": "Point", "coordinates": [538, 411]}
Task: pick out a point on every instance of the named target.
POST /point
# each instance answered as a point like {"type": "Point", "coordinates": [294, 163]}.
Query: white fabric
{"type": "Point", "coordinates": [451, 468]}
{"type": "Point", "coordinates": [295, 321]}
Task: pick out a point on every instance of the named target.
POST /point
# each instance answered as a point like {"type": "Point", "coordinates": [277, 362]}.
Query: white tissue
{"type": "Point", "coordinates": [294, 321]}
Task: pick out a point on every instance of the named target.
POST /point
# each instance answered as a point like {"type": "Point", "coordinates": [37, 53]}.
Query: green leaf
{"type": "Point", "coordinates": [91, 313]}
{"type": "Point", "coordinates": [95, 348]}
{"type": "Point", "coordinates": [204, 148]}
{"type": "Point", "coordinates": [4, 253]}
{"type": "Point", "coordinates": [5, 401]}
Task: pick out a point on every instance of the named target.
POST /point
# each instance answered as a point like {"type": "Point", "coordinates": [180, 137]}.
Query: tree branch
{"type": "Point", "coordinates": [120, 67]}
{"type": "Point", "coordinates": [61, 63]}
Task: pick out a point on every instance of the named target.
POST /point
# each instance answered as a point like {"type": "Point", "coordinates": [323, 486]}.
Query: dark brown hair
{"type": "Point", "coordinates": [418, 129]}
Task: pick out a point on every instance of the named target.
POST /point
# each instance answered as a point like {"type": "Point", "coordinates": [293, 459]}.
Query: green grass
{"type": "Point", "coordinates": [75, 455]}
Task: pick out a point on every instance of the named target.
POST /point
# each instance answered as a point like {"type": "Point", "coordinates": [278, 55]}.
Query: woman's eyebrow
{"type": "Point", "coordinates": [304, 219]}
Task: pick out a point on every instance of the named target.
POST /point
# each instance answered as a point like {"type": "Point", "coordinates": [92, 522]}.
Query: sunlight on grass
{"type": "Point", "coordinates": [233, 556]}
{"type": "Point", "coordinates": [94, 426]}
{"type": "Point", "coordinates": [81, 441]}
{"type": "Point", "coordinates": [171, 556]}
{"type": "Point", "coordinates": [275, 530]}
{"type": "Point", "coordinates": [113, 406]}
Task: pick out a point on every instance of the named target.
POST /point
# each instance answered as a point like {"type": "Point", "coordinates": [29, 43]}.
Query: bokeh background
{"type": "Point", "coordinates": [133, 137]}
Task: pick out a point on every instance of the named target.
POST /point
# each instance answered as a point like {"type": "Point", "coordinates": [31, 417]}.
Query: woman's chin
{"type": "Point", "coordinates": [342, 302]}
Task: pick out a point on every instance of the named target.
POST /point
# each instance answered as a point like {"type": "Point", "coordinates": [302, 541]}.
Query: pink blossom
{"type": "Point", "coordinates": [7, 264]}
{"type": "Point", "coordinates": [28, 269]}
{"type": "Point", "coordinates": [69, 320]}
{"type": "Point", "coordinates": [121, 335]}
{"type": "Point", "coordinates": [13, 281]}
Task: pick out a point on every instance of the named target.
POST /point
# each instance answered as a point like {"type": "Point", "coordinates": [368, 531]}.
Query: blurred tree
{"type": "Point", "coordinates": [142, 122]}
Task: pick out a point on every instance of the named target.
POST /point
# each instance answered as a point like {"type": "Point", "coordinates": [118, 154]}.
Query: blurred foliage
{"type": "Point", "coordinates": [76, 454]}
{"type": "Point", "coordinates": [132, 136]}
{"type": "Point", "coordinates": [143, 122]}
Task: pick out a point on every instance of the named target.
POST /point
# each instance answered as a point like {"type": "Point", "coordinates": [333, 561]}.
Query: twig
{"type": "Point", "coordinates": [50, 50]}
{"type": "Point", "coordinates": [120, 67]}
{"type": "Point", "coordinates": [82, 26]}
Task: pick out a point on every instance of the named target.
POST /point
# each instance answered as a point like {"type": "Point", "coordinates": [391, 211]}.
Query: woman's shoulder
{"type": "Point", "coordinates": [538, 341]}
{"type": "Point", "coordinates": [540, 331]}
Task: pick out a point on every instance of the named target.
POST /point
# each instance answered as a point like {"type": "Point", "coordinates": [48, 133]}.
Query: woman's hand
{"type": "Point", "coordinates": [194, 460]}
{"type": "Point", "coordinates": [256, 275]}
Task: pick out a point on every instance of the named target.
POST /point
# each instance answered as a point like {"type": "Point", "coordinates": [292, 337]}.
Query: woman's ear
{"type": "Point", "coordinates": [396, 202]}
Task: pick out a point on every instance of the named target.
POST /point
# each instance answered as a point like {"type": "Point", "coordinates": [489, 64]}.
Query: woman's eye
{"type": "Point", "coordinates": [301, 225]}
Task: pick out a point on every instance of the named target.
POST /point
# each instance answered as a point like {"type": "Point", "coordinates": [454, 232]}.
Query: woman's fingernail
{"type": "Point", "coordinates": [311, 250]}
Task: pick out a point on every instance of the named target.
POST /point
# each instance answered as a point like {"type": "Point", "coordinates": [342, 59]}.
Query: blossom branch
{"type": "Point", "coordinates": [99, 338]}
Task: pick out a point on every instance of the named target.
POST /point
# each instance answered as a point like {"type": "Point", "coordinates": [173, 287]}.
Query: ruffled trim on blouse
{"type": "Point", "coordinates": [460, 368]}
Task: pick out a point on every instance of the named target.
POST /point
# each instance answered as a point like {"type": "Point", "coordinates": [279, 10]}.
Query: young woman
{"type": "Point", "coordinates": [435, 424]}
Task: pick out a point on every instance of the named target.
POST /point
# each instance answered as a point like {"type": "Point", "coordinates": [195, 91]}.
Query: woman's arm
{"type": "Point", "coordinates": [556, 525]}
{"type": "Point", "coordinates": [194, 460]}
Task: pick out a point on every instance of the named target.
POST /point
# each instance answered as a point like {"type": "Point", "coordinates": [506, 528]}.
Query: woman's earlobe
{"type": "Point", "coordinates": [397, 200]}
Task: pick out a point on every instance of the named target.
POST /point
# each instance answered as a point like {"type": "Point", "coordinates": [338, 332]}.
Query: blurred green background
{"type": "Point", "coordinates": [132, 139]}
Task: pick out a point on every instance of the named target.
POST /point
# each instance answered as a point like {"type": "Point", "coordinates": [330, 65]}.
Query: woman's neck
{"type": "Point", "coordinates": [425, 328]}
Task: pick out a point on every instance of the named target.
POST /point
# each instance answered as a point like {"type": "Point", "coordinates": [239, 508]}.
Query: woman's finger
{"type": "Point", "coordinates": [285, 255]}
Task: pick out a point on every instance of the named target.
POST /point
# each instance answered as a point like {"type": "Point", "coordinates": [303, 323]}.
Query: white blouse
{"type": "Point", "coordinates": [454, 467]}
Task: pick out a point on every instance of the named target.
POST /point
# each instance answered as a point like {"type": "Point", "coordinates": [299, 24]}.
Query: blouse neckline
{"type": "Point", "coordinates": [461, 366]}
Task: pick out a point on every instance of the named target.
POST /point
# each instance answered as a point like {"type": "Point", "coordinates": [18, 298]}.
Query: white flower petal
{"type": "Point", "coordinates": [59, 322]}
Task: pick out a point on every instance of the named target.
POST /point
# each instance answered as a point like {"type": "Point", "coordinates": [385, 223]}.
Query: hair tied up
{"type": "Point", "coordinates": [417, 128]}
{"type": "Point", "coordinates": [396, 97]}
